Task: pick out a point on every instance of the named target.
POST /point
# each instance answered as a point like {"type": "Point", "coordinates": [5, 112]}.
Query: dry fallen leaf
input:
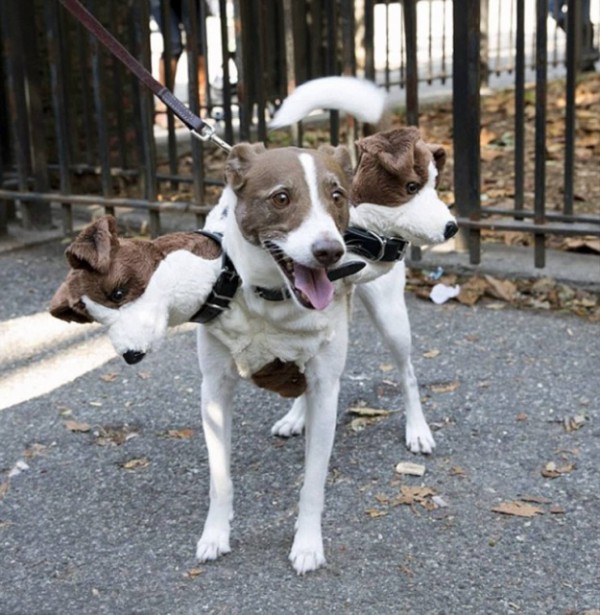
{"type": "Point", "coordinates": [457, 471]}
{"type": "Point", "coordinates": [431, 354]}
{"type": "Point", "coordinates": [374, 513]}
{"type": "Point", "coordinates": [517, 509]}
{"type": "Point", "coordinates": [386, 367]}
{"type": "Point", "coordinates": [573, 423]}
{"type": "Point", "coordinates": [445, 387]}
{"type": "Point", "coordinates": [193, 572]}
{"type": "Point", "coordinates": [181, 434]}
{"type": "Point", "coordinates": [551, 470]}
{"type": "Point", "coordinates": [136, 464]}
{"type": "Point", "coordinates": [77, 426]}
{"type": "Point", "coordinates": [4, 489]}
{"type": "Point", "coordinates": [110, 377]}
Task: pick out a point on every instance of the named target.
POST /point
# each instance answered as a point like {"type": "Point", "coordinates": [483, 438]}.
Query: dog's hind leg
{"type": "Point", "coordinates": [384, 300]}
{"type": "Point", "coordinates": [292, 423]}
{"type": "Point", "coordinates": [218, 385]}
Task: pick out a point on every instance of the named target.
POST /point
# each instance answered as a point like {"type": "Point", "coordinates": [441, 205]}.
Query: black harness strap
{"type": "Point", "coordinates": [223, 290]}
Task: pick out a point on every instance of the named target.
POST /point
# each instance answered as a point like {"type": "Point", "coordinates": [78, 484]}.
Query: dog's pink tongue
{"type": "Point", "coordinates": [315, 284]}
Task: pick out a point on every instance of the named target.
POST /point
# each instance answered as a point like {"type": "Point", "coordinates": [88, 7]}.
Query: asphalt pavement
{"type": "Point", "coordinates": [104, 480]}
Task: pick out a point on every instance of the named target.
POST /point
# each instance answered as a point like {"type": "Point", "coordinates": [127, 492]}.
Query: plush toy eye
{"type": "Point", "coordinates": [117, 295]}
{"type": "Point", "coordinates": [281, 199]}
{"type": "Point", "coordinates": [412, 187]}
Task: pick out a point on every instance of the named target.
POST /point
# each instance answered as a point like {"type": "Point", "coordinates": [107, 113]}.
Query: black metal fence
{"type": "Point", "coordinates": [77, 130]}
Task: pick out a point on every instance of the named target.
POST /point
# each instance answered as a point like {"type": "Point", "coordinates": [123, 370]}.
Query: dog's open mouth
{"type": "Point", "coordinates": [312, 287]}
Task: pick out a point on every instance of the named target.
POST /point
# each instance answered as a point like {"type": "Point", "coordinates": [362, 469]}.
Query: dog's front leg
{"type": "Point", "coordinates": [218, 387]}
{"type": "Point", "coordinates": [320, 405]}
{"type": "Point", "coordinates": [307, 550]}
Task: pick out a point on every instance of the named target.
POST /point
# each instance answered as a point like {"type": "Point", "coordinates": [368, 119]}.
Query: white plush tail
{"type": "Point", "coordinates": [359, 97]}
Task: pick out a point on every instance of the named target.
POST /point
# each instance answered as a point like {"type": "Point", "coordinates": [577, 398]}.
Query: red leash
{"type": "Point", "coordinates": [197, 126]}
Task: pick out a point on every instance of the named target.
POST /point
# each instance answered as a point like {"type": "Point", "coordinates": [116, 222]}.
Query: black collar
{"type": "Point", "coordinates": [375, 247]}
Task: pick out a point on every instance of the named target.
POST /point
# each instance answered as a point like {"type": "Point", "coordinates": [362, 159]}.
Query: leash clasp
{"type": "Point", "coordinates": [206, 133]}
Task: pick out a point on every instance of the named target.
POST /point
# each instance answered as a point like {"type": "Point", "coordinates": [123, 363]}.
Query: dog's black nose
{"type": "Point", "coordinates": [133, 356]}
{"type": "Point", "coordinates": [450, 230]}
{"type": "Point", "coordinates": [327, 251]}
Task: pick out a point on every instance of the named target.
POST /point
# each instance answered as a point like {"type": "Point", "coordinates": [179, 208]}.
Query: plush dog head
{"type": "Point", "coordinates": [395, 187]}
{"type": "Point", "coordinates": [135, 287]}
{"type": "Point", "coordinates": [290, 210]}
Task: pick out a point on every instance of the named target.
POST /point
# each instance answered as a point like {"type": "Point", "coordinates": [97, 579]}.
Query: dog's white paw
{"type": "Point", "coordinates": [306, 558]}
{"type": "Point", "coordinates": [419, 438]}
{"type": "Point", "coordinates": [292, 424]}
{"type": "Point", "coordinates": [211, 547]}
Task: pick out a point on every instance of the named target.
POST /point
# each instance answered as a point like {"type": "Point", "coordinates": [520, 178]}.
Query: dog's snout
{"type": "Point", "coordinates": [450, 230]}
{"type": "Point", "coordinates": [327, 251]}
{"type": "Point", "coordinates": [133, 356]}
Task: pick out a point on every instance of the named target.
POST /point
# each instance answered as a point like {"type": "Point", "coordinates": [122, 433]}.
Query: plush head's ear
{"type": "Point", "coordinates": [439, 156]}
{"type": "Point", "coordinates": [67, 304]}
{"type": "Point", "coordinates": [238, 162]}
{"type": "Point", "coordinates": [93, 247]}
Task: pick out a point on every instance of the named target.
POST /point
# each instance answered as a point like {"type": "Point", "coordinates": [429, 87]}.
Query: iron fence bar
{"type": "Point", "coordinates": [59, 106]}
{"type": "Point", "coordinates": [197, 147]}
{"type": "Point", "coordinates": [116, 95]}
{"type": "Point", "coordinates": [520, 108]}
{"type": "Point", "coordinates": [412, 71]}
{"type": "Point", "coordinates": [99, 85]}
{"type": "Point", "coordinates": [548, 228]}
{"type": "Point", "coordinates": [109, 203]}
{"type": "Point", "coordinates": [225, 53]}
{"type": "Point", "coordinates": [573, 62]}
{"type": "Point", "coordinates": [550, 216]}
{"type": "Point", "coordinates": [540, 129]}
{"type": "Point", "coordinates": [148, 156]}
{"type": "Point", "coordinates": [369, 18]}
{"type": "Point", "coordinates": [466, 120]}
{"type": "Point", "coordinates": [167, 70]}
{"type": "Point", "coordinates": [331, 64]}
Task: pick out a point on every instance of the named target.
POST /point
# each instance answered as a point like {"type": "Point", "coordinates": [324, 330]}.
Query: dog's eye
{"type": "Point", "coordinates": [338, 197]}
{"type": "Point", "coordinates": [281, 199]}
{"type": "Point", "coordinates": [117, 295]}
{"type": "Point", "coordinates": [412, 187]}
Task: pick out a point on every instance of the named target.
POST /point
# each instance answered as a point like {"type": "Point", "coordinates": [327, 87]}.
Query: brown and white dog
{"type": "Point", "coordinates": [286, 214]}
{"type": "Point", "coordinates": [393, 194]}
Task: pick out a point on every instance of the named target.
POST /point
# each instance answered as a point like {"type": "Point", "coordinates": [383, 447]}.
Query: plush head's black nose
{"type": "Point", "coordinates": [133, 356]}
{"type": "Point", "coordinates": [450, 230]}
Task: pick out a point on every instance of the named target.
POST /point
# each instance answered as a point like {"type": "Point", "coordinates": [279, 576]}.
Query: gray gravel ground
{"type": "Point", "coordinates": [81, 534]}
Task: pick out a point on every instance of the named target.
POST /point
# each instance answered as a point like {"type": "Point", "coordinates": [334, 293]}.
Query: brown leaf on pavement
{"type": "Point", "coordinates": [77, 426]}
{"type": "Point", "coordinates": [517, 509]}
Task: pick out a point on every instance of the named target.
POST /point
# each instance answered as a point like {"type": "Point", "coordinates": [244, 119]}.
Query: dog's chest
{"type": "Point", "coordinates": [258, 332]}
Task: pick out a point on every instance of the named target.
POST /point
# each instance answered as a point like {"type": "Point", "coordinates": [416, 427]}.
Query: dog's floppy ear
{"type": "Point", "coordinates": [239, 160]}
{"type": "Point", "coordinates": [341, 154]}
{"type": "Point", "coordinates": [439, 156]}
{"type": "Point", "coordinates": [67, 304]}
{"type": "Point", "coordinates": [93, 247]}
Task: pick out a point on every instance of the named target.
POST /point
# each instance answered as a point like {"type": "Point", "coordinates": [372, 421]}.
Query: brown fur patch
{"type": "Point", "coordinates": [281, 377]}
{"type": "Point", "coordinates": [388, 162]}
{"type": "Point", "coordinates": [258, 176]}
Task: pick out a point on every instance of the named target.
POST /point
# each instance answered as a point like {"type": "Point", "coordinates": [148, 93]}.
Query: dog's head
{"type": "Point", "coordinates": [129, 284]}
{"type": "Point", "coordinates": [398, 174]}
{"type": "Point", "coordinates": [291, 205]}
